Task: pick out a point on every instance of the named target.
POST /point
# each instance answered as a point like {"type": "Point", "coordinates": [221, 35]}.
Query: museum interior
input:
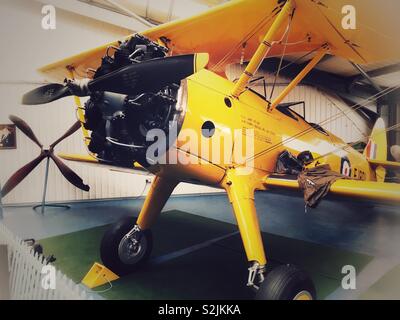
{"type": "Point", "coordinates": [198, 251]}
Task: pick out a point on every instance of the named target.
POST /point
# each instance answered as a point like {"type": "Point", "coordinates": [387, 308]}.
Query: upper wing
{"type": "Point", "coordinates": [136, 168]}
{"type": "Point", "coordinates": [234, 30]}
{"type": "Point", "coordinates": [80, 63]}
{"type": "Point", "coordinates": [365, 190]}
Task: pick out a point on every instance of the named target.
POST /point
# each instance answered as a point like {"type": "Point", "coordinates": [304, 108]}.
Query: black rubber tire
{"type": "Point", "coordinates": [110, 243]}
{"type": "Point", "coordinates": [284, 283]}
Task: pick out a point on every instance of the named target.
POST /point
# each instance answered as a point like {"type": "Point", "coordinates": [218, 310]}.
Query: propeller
{"type": "Point", "coordinates": [151, 75]}
{"type": "Point", "coordinates": [21, 174]}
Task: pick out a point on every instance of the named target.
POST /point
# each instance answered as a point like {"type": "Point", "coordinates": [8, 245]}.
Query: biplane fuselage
{"type": "Point", "coordinates": [224, 118]}
{"type": "Point", "coordinates": [206, 97]}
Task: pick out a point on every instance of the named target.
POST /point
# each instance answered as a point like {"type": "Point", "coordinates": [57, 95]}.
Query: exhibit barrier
{"type": "Point", "coordinates": [31, 278]}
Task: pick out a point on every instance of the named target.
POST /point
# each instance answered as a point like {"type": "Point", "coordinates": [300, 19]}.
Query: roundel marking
{"type": "Point", "coordinates": [345, 167]}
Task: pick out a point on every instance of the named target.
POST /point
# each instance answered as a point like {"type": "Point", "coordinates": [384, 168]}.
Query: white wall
{"type": "Point", "coordinates": [320, 106]}
{"type": "Point", "coordinates": [25, 47]}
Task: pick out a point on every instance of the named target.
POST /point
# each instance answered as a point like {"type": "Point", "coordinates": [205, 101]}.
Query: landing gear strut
{"type": "Point", "coordinates": [285, 282]}
{"type": "Point", "coordinates": [256, 275]}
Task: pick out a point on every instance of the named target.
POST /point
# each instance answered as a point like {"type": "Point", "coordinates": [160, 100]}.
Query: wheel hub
{"type": "Point", "coordinates": [132, 247]}
{"type": "Point", "coordinates": [303, 295]}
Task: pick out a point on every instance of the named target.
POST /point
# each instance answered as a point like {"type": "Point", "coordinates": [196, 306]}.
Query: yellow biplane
{"type": "Point", "coordinates": [171, 78]}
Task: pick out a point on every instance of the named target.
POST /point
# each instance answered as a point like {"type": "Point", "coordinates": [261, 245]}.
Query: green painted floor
{"type": "Point", "coordinates": [218, 271]}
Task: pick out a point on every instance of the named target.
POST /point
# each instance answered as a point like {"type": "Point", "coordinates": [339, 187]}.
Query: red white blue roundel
{"type": "Point", "coordinates": [345, 167]}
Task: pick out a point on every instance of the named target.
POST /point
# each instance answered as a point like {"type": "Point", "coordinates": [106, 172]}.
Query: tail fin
{"type": "Point", "coordinates": [376, 148]}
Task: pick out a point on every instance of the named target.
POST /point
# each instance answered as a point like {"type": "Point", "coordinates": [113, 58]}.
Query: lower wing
{"type": "Point", "coordinates": [87, 159]}
{"type": "Point", "coordinates": [354, 189]}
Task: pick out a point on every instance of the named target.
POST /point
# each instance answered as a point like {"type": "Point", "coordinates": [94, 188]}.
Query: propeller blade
{"type": "Point", "coordinates": [70, 175]}
{"type": "Point", "coordinates": [151, 75]}
{"type": "Point", "coordinates": [20, 175]}
{"type": "Point", "coordinates": [25, 128]}
{"type": "Point", "coordinates": [70, 131]}
{"type": "Point", "coordinates": [46, 94]}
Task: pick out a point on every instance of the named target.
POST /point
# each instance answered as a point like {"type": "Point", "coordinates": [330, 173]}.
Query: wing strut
{"type": "Point", "coordinates": [263, 49]}
{"type": "Point", "coordinates": [310, 65]}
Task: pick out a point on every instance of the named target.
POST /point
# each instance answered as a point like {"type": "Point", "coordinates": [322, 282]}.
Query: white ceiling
{"type": "Point", "coordinates": [157, 11]}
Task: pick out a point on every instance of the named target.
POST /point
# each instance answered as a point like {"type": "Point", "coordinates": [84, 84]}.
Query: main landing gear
{"type": "Point", "coordinates": [127, 244]}
{"type": "Point", "coordinates": [124, 247]}
{"type": "Point", "coordinates": [285, 282]}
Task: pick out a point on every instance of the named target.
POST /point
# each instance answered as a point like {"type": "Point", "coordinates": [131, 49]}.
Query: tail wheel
{"type": "Point", "coordinates": [124, 247]}
{"type": "Point", "coordinates": [286, 282]}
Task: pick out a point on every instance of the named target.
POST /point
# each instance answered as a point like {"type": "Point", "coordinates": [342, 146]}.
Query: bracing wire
{"type": "Point", "coordinates": [286, 35]}
{"type": "Point", "coordinates": [300, 58]}
{"type": "Point", "coordinates": [394, 127]}
{"type": "Point", "coordinates": [340, 110]}
{"type": "Point", "coordinates": [329, 119]}
{"type": "Point", "coordinates": [245, 39]}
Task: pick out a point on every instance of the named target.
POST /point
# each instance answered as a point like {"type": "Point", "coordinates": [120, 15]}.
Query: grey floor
{"type": "Point", "coordinates": [358, 227]}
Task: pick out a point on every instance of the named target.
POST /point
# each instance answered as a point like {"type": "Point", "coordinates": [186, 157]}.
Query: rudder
{"type": "Point", "coordinates": [376, 148]}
